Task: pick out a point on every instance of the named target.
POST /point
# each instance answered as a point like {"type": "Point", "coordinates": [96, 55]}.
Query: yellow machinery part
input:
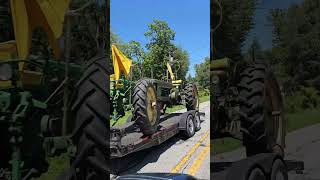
{"type": "Point", "coordinates": [30, 14]}
{"type": "Point", "coordinates": [121, 64]}
{"type": "Point", "coordinates": [8, 50]}
{"type": "Point", "coordinates": [177, 82]}
{"type": "Point", "coordinates": [223, 63]}
{"type": "Point", "coordinates": [5, 84]}
{"type": "Point", "coordinates": [170, 72]}
{"type": "Point", "coordinates": [26, 16]}
{"type": "Point", "coordinates": [174, 82]}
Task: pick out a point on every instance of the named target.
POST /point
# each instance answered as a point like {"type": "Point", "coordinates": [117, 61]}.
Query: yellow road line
{"type": "Point", "coordinates": [185, 159]}
{"type": "Point", "coordinates": [197, 163]}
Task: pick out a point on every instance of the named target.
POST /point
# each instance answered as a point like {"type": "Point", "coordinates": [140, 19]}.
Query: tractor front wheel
{"type": "Point", "coordinates": [146, 111]}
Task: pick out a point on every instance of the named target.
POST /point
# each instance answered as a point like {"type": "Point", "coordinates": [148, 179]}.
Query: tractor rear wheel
{"type": "Point", "coordinates": [191, 97]}
{"type": "Point", "coordinates": [261, 111]}
{"type": "Point", "coordinates": [146, 111]}
{"type": "Point", "coordinates": [91, 109]}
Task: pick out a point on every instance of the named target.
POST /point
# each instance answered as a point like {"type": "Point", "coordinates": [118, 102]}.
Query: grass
{"type": "Point", "coordinates": [295, 121]}
{"type": "Point", "coordinates": [224, 145]}
{"type": "Point", "coordinates": [57, 165]}
{"type": "Point", "coordinates": [123, 119]}
{"type": "Point", "coordinates": [204, 98]}
{"type": "Point", "coordinates": [303, 119]}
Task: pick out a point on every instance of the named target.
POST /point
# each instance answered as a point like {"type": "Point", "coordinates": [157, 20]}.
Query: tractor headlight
{"type": "Point", "coordinates": [5, 72]}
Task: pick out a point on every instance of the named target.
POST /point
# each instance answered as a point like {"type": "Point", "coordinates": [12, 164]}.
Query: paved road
{"type": "Point", "coordinates": [189, 156]}
{"type": "Point", "coordinates": [301, 145]}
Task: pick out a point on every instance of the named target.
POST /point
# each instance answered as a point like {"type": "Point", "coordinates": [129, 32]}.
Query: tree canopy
{"type": "Point", "coordinates": [236, 18]}
{"type": "Point", "coordinates": [202, 76]}
{"type": "Point", "coordinates": [296, 43]}
{"type": "Point", "coordinates": [152, 60]}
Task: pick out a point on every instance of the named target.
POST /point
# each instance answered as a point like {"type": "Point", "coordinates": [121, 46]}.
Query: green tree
{"type": "Point", "coordinates": [181, 65]}
{"type": "Point", "coordinates": [296, 44]}
{"type": "Point", "coordinates": [135, 52]}
{"type": "Point", "coordinates": [190, 78]}
{"type": "Point", "coordinates": [236, 19]}
{"type": "Point", "coordinates": [160, 44]}
{"type": "Point", "coordinates": [202, 76]}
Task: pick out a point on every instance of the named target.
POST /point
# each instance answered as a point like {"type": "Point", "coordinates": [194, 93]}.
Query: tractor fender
{"type": "Point", "coordinates": [183, 119]}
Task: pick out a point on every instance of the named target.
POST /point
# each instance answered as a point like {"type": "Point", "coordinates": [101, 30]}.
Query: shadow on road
{"type": "Point", "coordinates": [219, 166]}
{"type": "Point", "coordinates": [132, 163]}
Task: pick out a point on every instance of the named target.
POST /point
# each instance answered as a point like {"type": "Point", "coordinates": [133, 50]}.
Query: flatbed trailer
{"type": "Point", "coordinates": [128, 139]}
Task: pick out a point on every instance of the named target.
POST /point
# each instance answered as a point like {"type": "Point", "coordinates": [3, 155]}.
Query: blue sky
{"type": "Point", "coordinates": [190, 19]}
{"type": "Point", "coordinates": [262, 29]}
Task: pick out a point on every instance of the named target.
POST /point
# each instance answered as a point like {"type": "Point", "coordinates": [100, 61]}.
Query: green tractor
{"type": "Point", "coordinates": [247, 105]}
{"type": "Point", "coordinates": [246, 101]}
{"type": "Point", "coordinates": [120, 85]}
{"type": "Point", "coordinates": [151, 97]}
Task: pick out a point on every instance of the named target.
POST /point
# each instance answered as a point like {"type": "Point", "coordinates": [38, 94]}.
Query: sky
{"type": "Point", "coordinates": [262, 29]}
{"type": "Point", "coordinates": [190, 19]}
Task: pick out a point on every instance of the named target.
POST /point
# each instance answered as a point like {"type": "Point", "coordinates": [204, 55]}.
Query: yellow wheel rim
{"type": "Point", "coordinates": [151, 105]}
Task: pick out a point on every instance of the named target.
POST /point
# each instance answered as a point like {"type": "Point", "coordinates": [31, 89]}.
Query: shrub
{"type": "Point", "coordinates": [204, 92]}
{"type": "Point", "coordinates": [304, 98]}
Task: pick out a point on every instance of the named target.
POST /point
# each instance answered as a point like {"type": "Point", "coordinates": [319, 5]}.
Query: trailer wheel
{"type": "Point", "coordinates": [261, 111]}
{"type": "Point", "coordinates": [279, 171]}
{"type": "Point", "coordinates": [191, 97]}
{"type": "Point", "coordinates": [197, 122]}
{"type": "Point", "coordinates": [91, 109]}
{"type": "Point", "coordinates": [257, 174]}
{"type": "Point", "coordinates": [146, 111]}
{"type": "Point", "coordinates": [190, 127]}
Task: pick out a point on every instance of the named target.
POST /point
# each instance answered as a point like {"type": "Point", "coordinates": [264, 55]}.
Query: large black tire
{"type": "Point", "coordinates": [197, 121]}
{"type": "Point", "coordinates": [190, 127]}
{"type": "Point", "coordinates": [191, 97]}
{"type": "Point", "coordinates": [146, 111]}
{"type": "Point", "coordinates": [257, 174]}
{"type": "Point", "coordinates": [91, 109]}
{"type": "Point", "coordinates": [279, 171]}
{"type": "Point", "coordinates": [260, 100]}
